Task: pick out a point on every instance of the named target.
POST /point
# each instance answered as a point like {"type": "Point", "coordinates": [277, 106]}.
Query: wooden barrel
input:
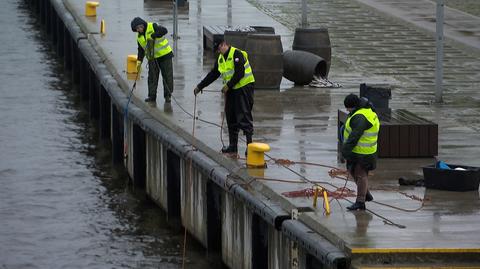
{"type": "Point", "coordinates": [300, 66]}
{"type": "Point", "coordinates": [265, 57]}
{"type": "Point", "coordinates": [236, 39]}
{"type": "Point", "coordinates": [316, 41]}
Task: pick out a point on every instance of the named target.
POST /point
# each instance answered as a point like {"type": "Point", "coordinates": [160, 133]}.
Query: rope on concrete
{"type": "Point", "coordinates": [284, 163]}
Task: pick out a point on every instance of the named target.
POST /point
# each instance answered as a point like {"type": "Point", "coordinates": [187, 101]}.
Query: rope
{"type": "Point", "coordinates": [289, 162]}
{"type": "Point", "coordinates": [194, 118]}
{"type": "Point", "coordinates": [334, 173]}
{"type": "Point", "coordinates": [293, 181]}
{"type": "Point", "coordinates": [399, 208]}
{"type": "Point", "coordinates": [184, 252]}
{"type": "Point", "coordinates": [283, 163]}
{"type": "Point", "coordinates": [221, 129]}
{"type": "Point", "coordinates": [125, 117]}
{"type": "Point", "coordinates": [177, 103]}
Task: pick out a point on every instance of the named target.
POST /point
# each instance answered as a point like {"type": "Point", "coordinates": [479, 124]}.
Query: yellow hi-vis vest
{"type": "Point", "coordinates": [160, 47]}
{"type": "Point", "coordinates": [367, 144]}
{"type": "Point", "coordinates": [227, 68]}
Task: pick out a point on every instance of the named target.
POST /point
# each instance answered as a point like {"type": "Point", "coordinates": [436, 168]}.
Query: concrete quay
{"type": "Point", "coordinates": [373, 42]}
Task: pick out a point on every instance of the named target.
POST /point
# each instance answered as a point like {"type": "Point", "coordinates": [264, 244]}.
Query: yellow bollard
{"type": "Point", "coordinates": [102, 27]}
{"type": "Point", "coordinates": [256, 155]}
{"type": "Point", "coordinates": [91, 8]}
{"type": "Point", "coordinates": [327, 203]}
{"type": "Point", "coordinates": [132, 64]}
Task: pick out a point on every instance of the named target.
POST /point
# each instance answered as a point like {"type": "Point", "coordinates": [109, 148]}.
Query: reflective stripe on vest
{"type": "Point", "coordinates": [367, 144]}
{"type": "Point", "coordinates": [227, 69]}
{"type": "Point", "coordinates": [160, 47]}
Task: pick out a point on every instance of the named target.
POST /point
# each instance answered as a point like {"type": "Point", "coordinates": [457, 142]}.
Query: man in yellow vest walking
{"type": "Point", "coordinates": [153, 45]}
{"type": "Point", "coordinates": [359, 146]}
{"type": "Point", "coordinates": [238, 86]}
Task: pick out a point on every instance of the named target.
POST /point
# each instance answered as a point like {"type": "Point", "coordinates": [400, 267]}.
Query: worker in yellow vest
{"type": "Point", "coordinates": [238, 86]}
{"type": "Point", "coordinates": [153, 45]}
{"type": "Point", "coordinates": [359, 146]}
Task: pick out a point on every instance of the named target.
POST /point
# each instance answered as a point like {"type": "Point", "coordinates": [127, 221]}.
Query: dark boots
{"type": "Point", "coordinates": [150, 99]}
{"type": "Point", "coordinates": [230, 149]}
{"type": "Point", "coordinates": [361, 205]}
{"type": "Point", "coordinates": [233, 142]}
{"type": "Point", "coordinates": [357, 206]}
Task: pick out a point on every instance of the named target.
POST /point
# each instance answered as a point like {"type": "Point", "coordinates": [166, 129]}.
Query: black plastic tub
{"type": "Point", "coordinates": [377, 94]}
{"type": "Point", "coordinates": [451, 179]}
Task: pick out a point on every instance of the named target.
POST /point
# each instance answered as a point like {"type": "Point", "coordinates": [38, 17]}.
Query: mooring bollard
{"type": "Point", "coordinates": [132, 64]}
{"type": "Point", "coordinates": [91, 8]}
{"type": "Point", "coordinates": [256, 154]}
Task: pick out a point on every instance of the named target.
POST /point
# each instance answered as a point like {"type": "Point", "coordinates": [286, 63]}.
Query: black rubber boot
{"type": "Point", "coordinates": [357, 206]}
{"type": "Point", "coordinates": [150, 99]}
{"type": "Point", "coordinates": [232, 148]}
{"type": "Point", "coordinates": [368, 197]}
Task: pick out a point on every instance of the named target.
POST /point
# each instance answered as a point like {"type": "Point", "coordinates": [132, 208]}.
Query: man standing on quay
{"type": "Point", "coordinates": [359, 146]}
{"type": "Point", "coordinates": [238, 85]}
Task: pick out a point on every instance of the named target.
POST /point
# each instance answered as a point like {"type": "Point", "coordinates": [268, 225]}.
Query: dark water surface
{"type": "Point", "coordinates": [62, 203]}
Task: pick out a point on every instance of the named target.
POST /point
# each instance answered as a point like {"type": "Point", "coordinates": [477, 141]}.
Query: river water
{"type": "Point", "coordinates": [62, 203]}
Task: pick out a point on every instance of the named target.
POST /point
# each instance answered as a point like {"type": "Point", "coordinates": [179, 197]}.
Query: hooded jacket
{"type": "Point", "coordinates": [159, 32]}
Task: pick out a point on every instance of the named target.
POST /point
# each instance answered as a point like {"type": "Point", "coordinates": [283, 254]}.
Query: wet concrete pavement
{"type": "Point", "coordinates": [460, 26]}
{"type": "Point", "coordinates": [300, 123]}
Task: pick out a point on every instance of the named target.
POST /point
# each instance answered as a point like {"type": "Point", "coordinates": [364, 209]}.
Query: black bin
{"type": "Point", "coordinates": [451, 179]}
{"type": "Point", "coordinates": [379, 95]}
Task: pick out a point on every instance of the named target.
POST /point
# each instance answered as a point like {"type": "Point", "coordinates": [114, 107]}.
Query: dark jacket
{"type": "Point", "coordinates": [239, 67]}
{"type": "Point", "coordinates": [159, 31]}
{"type": "Point", "coordinates": [359, 124]}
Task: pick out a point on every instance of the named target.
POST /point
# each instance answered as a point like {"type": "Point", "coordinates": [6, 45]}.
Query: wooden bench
{"type": "Point", "coordinates": [402, 134]}
{"type": "Point", "coordinates": [212, 33]}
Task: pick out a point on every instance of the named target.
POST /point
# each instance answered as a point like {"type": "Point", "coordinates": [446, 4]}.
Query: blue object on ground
{"type": "Point", "coordinates": [442, 165]}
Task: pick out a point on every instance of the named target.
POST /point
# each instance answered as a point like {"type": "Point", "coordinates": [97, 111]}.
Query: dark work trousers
{"type": "Point", "coordinates": [238, 110]}
{"type": "Point", "coordinates": [154, 68]}
{"type": "Point", "coordinates": [360, 175]}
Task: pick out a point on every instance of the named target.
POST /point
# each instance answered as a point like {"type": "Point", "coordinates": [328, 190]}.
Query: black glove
{"type": "Point", "coordinates": [197, 90]}
{"type": "Point", "coordinates": [224, 89]}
